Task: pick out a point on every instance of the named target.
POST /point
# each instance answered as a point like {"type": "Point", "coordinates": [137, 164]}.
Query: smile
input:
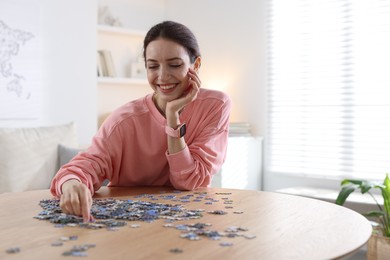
{"type": "Point", "coordinates": [167, 88]}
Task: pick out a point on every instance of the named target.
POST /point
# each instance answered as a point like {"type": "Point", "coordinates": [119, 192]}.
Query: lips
{"type": "Point", "coordinates": [167, 88]}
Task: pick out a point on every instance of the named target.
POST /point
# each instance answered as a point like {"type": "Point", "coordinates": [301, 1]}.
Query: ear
{"type": "Point", "coordinates": [197, 63]}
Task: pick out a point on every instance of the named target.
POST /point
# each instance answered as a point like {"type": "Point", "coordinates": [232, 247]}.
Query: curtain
{"type": "Point", "coordinates": [328, 96]}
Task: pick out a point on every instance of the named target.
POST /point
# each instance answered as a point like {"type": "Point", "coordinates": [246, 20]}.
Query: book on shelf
{"type": "Point", "coordinates": [106, 64]}
{"type": "Point", "coordinates": [99, 65]}
{"type": "Point", "coordinates": [239, 129]}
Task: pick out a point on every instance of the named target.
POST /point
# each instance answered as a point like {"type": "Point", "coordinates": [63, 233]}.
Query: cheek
{"type": "Point", "coordinates": [151, 79]}
{"type": "Point", "coordinates": [151, 76]}
{"type": "Point", "coordinates": [182, 74]}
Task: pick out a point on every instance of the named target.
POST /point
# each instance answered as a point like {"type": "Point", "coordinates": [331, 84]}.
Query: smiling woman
{"type": "Point", "coordinates": [176, 136]}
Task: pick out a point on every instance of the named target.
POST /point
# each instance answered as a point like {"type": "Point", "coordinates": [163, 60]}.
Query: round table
{"type": "Point", "coordinates": [276, 226]}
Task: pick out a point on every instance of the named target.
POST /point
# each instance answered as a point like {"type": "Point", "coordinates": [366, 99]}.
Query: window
{"type": "Point", "coordinates": [328, 95]}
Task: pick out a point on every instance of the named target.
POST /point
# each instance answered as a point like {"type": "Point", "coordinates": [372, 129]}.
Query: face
{"type": "Point", "coordinates": [167, 65]}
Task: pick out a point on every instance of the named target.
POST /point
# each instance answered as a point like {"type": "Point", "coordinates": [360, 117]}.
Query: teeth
{"type": "Point", "coordinates": [165, 87]}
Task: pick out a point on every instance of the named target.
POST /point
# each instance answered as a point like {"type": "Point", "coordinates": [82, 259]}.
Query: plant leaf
{"type": "Point", "coordinates": [366, 186]}
{"type": "Point", "coordinates": [386, 203]}
{"type": "Point", "coordinates": [375, 214]}
{"type": "Point", "coordinates": [363, 185]}
{"type": "Point", "coordinates": [344, 193]}
{"type": "Point", "coordinates": [349, 181]}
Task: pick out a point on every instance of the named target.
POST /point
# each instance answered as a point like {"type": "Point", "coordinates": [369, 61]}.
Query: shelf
{"type": "Point", "coordinates": [120, 30]}
{"type": "Point", "coordinates": [122, 81]}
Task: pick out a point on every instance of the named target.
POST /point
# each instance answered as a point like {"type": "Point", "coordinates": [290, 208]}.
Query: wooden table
{"type": "Point", "coordinates": [285, 226]}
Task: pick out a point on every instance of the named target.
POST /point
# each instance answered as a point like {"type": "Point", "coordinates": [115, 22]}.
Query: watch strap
{"type": "Point", "coordinates": [179, 132]}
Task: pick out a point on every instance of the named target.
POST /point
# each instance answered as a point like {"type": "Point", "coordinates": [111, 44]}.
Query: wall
{"type": "Point", "coordinates": [231, 35]}
{"type": "Point", "coordinates": [136, 14]}
{"type": "Point", "coordinates": [68, 74]}
{"type": "Point", "coordinates": [71, 63]}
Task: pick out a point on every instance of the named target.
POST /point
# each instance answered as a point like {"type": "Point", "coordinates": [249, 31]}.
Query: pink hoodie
{"type": "Point", "coordinates": [130, 149]}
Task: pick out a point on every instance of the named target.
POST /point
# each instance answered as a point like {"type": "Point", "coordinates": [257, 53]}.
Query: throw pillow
{"type": "Point", "coordinates": [29, 156]}
{"type": "Point", "coordinates": [65, 154]}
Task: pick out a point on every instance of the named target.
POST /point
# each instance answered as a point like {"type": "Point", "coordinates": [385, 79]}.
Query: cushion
{"type": "Point", "coordinates": [29, 156]}
{"type": "Point", "coordinates": [65, 154]}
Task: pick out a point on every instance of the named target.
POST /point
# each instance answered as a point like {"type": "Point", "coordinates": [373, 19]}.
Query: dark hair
{"type": "Point", "coordinates": [175, 32]}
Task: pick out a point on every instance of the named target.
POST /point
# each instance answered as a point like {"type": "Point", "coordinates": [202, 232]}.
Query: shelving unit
{"type": "Point", "coordinates": [125, 42]}
{"type": "Point", "coordinates": [121, 81]}
{"type": "Point", "coordinates": [119, 30]}
{"type": "Point", "coordinates": [125, 46]}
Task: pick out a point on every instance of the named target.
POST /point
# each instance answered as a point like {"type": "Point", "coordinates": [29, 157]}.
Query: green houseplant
{"type": "Point", "coordinates": [383, 213]}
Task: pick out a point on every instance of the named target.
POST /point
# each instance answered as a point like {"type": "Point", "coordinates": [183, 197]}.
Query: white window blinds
{"type": "Point", "coordinates": [329, 88]}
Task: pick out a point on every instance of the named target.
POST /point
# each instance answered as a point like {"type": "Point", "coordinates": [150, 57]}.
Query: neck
{"type": "Point", "coordinates": [160, 108]}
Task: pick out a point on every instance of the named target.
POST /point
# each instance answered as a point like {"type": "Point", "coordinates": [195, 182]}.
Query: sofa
{"type": "Point", "coordinates": [30, 157]}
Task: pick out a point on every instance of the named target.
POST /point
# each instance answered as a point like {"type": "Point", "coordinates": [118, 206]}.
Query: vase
{"type": "Point", "coordinates": [378, 247]}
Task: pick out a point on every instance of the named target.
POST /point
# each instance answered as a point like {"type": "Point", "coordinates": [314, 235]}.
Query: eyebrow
{"type": "Point", "coordinates": [170, 59]}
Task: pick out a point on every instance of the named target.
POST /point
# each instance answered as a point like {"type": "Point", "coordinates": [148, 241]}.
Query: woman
{"type": "Point", "coordinates": [176, 136]}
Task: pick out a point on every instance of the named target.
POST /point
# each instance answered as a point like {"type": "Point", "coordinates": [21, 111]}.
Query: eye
{"type": "Point", "coordinates": [176, 65]}
{"type": "Point", "coordinates": [152, 66]}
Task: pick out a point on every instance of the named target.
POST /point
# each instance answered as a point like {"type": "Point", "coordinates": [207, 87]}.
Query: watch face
{"type": "Point", "coordinates": [183, 130]}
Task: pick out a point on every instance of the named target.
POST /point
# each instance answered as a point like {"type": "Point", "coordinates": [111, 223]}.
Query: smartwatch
{"type": "Point", "coordinates": [179, 132]}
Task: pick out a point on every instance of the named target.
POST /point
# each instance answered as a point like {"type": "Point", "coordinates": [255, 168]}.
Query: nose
{"type": "Point", "coordinates": [164, 74]}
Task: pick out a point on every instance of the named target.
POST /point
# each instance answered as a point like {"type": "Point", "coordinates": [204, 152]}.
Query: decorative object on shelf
{"type": "Point", "coordinates": [137, 67]}
{"type": "Point", "coordinates": [379, 243]}
{"type": "Point", "coordinates": [105, 64]}
{"type": "Point", "coordinates": [138, 70]}
{"type": "Point", "coordinates": [105, 17]}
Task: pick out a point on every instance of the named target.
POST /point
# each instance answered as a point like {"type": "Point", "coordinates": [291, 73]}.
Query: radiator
{"type": "Point", "coordinates": [243, 165]}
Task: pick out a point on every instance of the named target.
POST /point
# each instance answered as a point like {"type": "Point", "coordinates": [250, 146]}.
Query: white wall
{"type": "Point", "coordinates": [231, 34]}
{"type": "Point", "coordinates": [136, 14]}
{"type": "Point", "coordinates": [70, 64]}
{"type": "Point", "coordinates": [68, 40]}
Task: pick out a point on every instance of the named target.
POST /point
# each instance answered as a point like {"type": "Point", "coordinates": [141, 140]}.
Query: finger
{"type": "Point", "coordinates": [64, 209]}
{"type": "Point", "coordinates": [75, 204]}
{"type": "Point", "coordinates": [90, 201]}
{"type": "Point", "coordinates": [194, 89]}
{"type": "Point", "coordinates": [191, 95]}
{"type": "Point", "coordinates": [64, 204]}
{"type": "Point", "coordinates": [195, 81]}
{"type": "Point", "coordinates": [86, 205]}
{"type": "Point", "coordinates": [194, 75]}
